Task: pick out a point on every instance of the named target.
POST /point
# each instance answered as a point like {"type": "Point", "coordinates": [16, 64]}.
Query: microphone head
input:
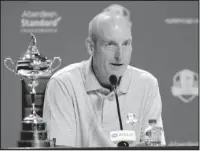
{"type": "Point", "coordinates": [113, 80]}
{"type": "Point", "coordinates": [123, 144]}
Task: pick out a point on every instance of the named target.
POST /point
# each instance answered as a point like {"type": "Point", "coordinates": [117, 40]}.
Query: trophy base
{"type": "Point", "coordinates": [32, 143]}
{"type": "Point", "coordinates": [34, 135]}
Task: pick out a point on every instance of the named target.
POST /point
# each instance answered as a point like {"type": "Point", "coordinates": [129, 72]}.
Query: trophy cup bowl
{"type": "Point", "coordinates": [32, 65]}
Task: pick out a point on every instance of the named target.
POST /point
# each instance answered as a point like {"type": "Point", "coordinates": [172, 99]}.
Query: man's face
{"type": "Point", "coordinates": [113, 48]}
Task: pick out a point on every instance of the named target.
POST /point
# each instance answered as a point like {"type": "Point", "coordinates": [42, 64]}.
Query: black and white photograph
{"type": "Point", "coordinates": [100, 75]}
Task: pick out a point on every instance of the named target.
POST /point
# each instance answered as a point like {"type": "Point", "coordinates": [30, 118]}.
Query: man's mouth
{"type": "Point", "coordinates": [116, 64]}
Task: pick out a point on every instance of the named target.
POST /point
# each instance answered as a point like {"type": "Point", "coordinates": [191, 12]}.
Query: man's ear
{"type": "Point", "coordinates": [90, 46]}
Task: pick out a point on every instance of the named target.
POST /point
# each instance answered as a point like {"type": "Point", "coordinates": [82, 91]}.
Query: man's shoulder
{"type": "Point", "coordinates": [69, 70]}
{"type": "Point", "coordinates": [141, 74]}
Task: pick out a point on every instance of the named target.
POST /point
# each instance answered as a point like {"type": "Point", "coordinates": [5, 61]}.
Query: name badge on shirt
{"type": "Point", "coordinates": [123, 135]}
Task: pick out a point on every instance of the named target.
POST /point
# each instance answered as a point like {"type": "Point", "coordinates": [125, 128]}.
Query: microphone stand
{"type": "Point", "coordinates": [118, 109]}
{"type": "Point", "coordinates": [122, 143]}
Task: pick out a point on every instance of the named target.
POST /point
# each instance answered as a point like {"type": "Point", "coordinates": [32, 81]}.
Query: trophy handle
{"type": "Point", "coordinates": [56, 58]}
{"type": "Point", "coordinates": [6, 61]}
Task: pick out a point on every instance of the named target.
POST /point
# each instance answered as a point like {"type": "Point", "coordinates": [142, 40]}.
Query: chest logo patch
{"type": "Point", "coordinates": [131, 119]}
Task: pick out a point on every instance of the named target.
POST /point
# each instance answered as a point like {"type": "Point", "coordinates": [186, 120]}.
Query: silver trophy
{"type": "Point", "coordinates": [33, 65]}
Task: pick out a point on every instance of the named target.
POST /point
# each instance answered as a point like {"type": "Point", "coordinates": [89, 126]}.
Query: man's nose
{"type": "Point", "coordinates": [118, 54]}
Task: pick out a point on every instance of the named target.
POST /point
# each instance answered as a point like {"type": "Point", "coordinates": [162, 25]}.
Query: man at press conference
{"type": "Point", "coordinates": [89, 101]}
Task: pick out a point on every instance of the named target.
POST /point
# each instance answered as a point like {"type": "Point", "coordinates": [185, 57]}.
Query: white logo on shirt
{"type": "Point", "coordinates": [131, 119]}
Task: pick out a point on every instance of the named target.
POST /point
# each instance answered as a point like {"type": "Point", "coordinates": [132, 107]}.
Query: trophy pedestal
{"type": "Point", "coordinates": [33, 143]}
{"type": "Point", "coordinates": [34, 133]}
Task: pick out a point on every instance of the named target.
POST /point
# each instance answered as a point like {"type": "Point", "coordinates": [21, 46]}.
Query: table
{"type": "Point", "coordinates": [113, 148]}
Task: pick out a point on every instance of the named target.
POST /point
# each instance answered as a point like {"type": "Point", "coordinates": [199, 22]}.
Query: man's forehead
{"type": "Point", "coordinates": [115, 39]}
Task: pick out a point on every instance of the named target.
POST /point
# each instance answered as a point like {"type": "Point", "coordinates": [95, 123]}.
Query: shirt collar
{"type": "Point", "coordinates": [91, 82]}
{"type": "Point", "coordinates": [125, 81]}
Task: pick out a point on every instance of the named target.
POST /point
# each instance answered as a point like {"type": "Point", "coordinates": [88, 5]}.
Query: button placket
{"type": "Point", "coordinates": [100, 103]}
{"type": "Point", "coordinates": [109, 112]}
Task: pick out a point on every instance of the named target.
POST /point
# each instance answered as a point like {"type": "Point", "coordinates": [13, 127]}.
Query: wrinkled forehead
{"type": "Point", "coordinates": [113, 27]}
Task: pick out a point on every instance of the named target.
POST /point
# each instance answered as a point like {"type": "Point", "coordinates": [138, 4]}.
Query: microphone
{"type": "Point", "coordinates": [113, 80]}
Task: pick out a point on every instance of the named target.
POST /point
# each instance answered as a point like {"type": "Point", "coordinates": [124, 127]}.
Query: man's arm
{"type": "Point", "coordinates": [58, 112]}
{"type": "Point", "coordinates": [152, 108]}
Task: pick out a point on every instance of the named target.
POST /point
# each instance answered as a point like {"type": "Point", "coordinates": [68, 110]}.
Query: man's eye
{"type": "Point", "coordinates": [126, 43]}
{"type": "Point", "coordinates": [109, 44]}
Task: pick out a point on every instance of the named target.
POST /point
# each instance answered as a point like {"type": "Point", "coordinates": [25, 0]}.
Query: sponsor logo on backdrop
{"type": "Point", "coordinates": [185, 85]}
{"type": "Point", "coordinates": [40, 21]}
{"type": "Point", "coordinates": [187, 21]}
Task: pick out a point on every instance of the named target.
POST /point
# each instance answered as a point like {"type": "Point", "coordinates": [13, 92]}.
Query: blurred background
{"type": "Point", "coordinates": [165, 43]}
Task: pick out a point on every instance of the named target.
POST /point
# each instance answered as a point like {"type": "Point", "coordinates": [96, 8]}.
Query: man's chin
{"type": "Point", "coordinates": [117, 73]}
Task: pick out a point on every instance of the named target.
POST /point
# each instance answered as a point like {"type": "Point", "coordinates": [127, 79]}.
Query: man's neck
{"type": "Point", "coordinates": [103, 84]}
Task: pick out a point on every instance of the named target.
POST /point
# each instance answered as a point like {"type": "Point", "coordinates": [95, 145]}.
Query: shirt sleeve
{"type": "Point", "coordinates": [58, 112]}
{"type": "Point", "coordinates": [152, 109]}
